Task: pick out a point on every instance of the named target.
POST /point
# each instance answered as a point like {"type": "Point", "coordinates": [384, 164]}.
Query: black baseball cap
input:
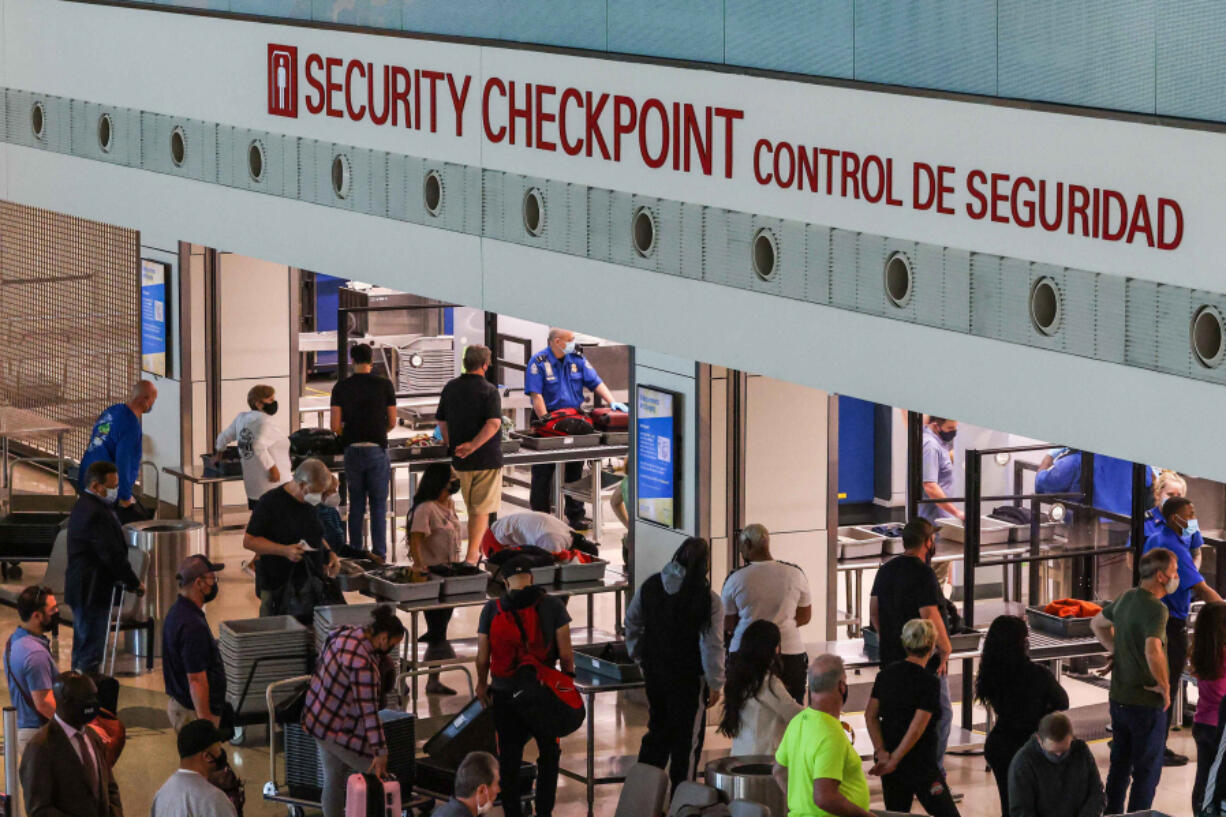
{"type": "Point", "coordinates": [517, 566]}
{"type": "Point", "coordinates": [195, 566]}
{"type": "Point", "coordinates": [196, 737]}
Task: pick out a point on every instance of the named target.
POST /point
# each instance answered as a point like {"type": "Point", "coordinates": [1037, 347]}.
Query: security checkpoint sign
{"type": "Point", "coordinates": [153, 351]}
{"type": "Point", "coordinates": [655, 456]}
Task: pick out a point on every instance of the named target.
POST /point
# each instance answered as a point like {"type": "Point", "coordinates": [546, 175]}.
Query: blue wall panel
{"type": "Point", "coordinates": [460, 18]}
{"type": "Point", "coordinates": [946, 44]}
{"type": "Point", "coordinates": [680, 29]}
{"type": "Point", "coordinates": [801, 36]}
{"type": "Point", "coordinates": [568, 23]}
{"type": "Point", "coordinates": [1192, 58]}
{"type": "Point", "coordinates": [375, 13]}
{"type": "Point", "coordinates": [290, 9]}
{"type": "Point", "coordinates": [1097, 53]}
{"type": "Point", "coordinates": [856, 449]}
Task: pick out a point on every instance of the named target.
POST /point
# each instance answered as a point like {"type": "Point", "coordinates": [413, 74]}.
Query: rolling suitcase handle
{"type": "Point", "coordinates": [272, 787]}
{"type": "Point", "coordinates": [114, 619]}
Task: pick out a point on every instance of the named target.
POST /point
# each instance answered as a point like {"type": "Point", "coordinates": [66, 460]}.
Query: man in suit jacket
{"type": "Point", "coordinates": [97, 560]}
{"type": "Point", "coordinates": [64, 772]}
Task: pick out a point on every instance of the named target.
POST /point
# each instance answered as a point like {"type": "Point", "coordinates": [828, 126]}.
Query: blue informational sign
{"type": "Point", "coordinates": [655, 456]}
{"type": "Point", "coordinates": [153, 334]}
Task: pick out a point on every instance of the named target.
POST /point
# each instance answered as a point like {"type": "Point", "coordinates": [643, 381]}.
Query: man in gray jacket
{"type": "Point", "coordinates": [1054, 774]}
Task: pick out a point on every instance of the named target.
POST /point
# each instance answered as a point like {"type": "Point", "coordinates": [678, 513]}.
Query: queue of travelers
{"type": "Point", "coordinates": [697, 647]}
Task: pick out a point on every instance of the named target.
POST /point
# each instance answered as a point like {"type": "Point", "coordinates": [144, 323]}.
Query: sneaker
{"type": "Point", "coordinates": [580, 524]}
{"type": "Point", "coordinates": [437, 687]}
{"type": "Point", "coordinates": [957, 796]}
{"type": "Point", "coordinates": [1170, 758]}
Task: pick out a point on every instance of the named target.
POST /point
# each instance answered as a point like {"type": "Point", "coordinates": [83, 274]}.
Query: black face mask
{"type": "Point", "coordinates": [78, 713]}
{"type": "Point", "coordinates": [932, 551]}
{"type": "Point", "coordinates": [453, 487]}
{"type": "Point", "coordinates": [269, 408]}
{"type": "Point", "coordinates": [844, 692]}
{"type": "Point", "coordinates": [219, 761]}
{"type": "Point", "coordinates": [211, 593]}
{"type": "Point", "coordinates": [948, 436]}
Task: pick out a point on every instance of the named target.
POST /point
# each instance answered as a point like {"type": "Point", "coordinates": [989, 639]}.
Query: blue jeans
{"type": "Point", "coordinates": [88, 637]}
{"type": "Point", "coordinates": [368, 472]}
{"type": "Point", "coordinates": [944, 721]}
{"type": "Point", "coordinates": [1138, 738]}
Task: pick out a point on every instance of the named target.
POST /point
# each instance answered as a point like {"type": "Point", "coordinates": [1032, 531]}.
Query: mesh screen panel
{"type": "Point", "coordinates": [69, 317]}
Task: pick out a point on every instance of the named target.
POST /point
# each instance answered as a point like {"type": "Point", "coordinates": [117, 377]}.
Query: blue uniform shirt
{"type": "Point", "coordinates": [1112, 481]}
{"type": "Point", "coordinates": [1180, 601]}
{"type": "Point", "coordinates": [116, 438]}
{"type": "Point", "coordinates": [560, 382]}
{"type": "Point", "coordinates": [30, 664]}
{"type": "Point", "coordinates": [938, 468]}
{"type": "Point", "coordinates": [1154, 523]}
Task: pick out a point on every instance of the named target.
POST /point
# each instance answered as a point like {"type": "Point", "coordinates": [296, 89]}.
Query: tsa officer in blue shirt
{"type": "Point", "coordinates": [1177, 536]}
{"type": "Point", "coordinates": [1166, 485]}
{"type": "Point", "coordinates": [556, 378]}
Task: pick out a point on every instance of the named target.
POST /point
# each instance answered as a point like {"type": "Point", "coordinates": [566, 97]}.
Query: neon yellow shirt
{"type": "Point", "coordinates": [815, 746]}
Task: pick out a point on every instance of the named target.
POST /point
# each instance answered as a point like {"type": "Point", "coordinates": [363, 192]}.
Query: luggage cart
{"type": "Point", "coordinates": [274, 791]}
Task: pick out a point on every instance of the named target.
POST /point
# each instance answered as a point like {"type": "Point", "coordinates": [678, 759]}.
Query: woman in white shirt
{"type": "Point", "coordinates": [757, 706]}
{"type": "Point", "coordinates": [262, 445]}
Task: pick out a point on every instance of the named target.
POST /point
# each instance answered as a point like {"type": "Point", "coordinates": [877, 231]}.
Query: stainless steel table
{"type": "Point", "coordinates": [590, 685]}
{"type": "Point", "coordinates": [17, 423]}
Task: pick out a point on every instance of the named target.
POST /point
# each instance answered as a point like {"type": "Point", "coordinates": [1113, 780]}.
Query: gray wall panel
{"type": "Point", "coordinates": [817, 264]}
{"type": "Point", "coordinates": [843, 272]}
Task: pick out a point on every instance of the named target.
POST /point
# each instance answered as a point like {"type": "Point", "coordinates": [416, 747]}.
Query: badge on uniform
{"type": "Point", "coordinates": [548, 370]}
{"type": "Point", "coordinates": [574, 369]}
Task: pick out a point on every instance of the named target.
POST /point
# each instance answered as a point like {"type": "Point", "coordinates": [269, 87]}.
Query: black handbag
{"type": "Point", "coordinates": [302, 592]}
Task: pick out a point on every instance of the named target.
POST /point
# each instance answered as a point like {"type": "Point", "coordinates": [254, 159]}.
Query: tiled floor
{"type": "Point", "coordinates": [150, 755]}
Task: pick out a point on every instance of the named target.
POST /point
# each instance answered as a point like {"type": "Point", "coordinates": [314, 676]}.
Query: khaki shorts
{"type": "Point", "coordinates": [482, 490]}
{"type": "Point", "coordinates": [180, 716]}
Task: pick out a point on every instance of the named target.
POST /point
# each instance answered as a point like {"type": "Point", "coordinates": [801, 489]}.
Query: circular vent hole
{"type": "Point", "coordinates": [898, 279]}
{"type": "Point", "coordinates": [106, 132]}
{"type": "Point", "coordinates": [178, 146]}
{"type": "Point", "coordinates": [644, 231]}
{"type": "Point", "coordinates": [534, 212]}
{"type": "Point", "coordinates": [1045, 306]}
{"type": "Point", "coordinates": [765, 254]}
{"type": "Point", "coordinates": [255, 160]}
{"type": "Point", "coordinates": [341, 180]}
{"type": "Point", "coordinates": [432, 190]}
{"type": "Point", "coordinates": [1208, 337]}
{"type": "Point", "coordinates": [38, 120]}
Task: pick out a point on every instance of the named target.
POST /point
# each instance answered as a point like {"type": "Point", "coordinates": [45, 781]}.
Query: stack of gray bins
{"type": "Point", "coordinates": [329, 617]}
{"type": "Point", "coordinates": [262, 650]}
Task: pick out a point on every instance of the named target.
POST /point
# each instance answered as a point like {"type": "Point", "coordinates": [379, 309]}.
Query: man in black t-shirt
{"type": "Point", "coordinates": [907, 588]}
{"type": "Point", "coordinates": [363, 411]}
{"type": "Point", "coordinates": [470, 418]}
{"type": "Point", "coordinates": [194, 676]}
{"type": "Point", "coordinates": [282, 521]}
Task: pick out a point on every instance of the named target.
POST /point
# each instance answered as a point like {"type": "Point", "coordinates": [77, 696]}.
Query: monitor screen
{"type": "Point", "coordinates": [657, 456]}
{"type": "Point", "coordinates": [154, 318]}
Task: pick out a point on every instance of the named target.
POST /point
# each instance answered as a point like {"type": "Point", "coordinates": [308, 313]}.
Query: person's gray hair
{"type": "Point", "coordinates": [754, 535]}
{"type": "Point", "coordinates": [556, 332]}
{"type": "Point", "coordinates": [476, 770]}
{"type": "Point", "coordinates": [313, 474]}
{"type": "Point", "coordinates": [1155, 560]}
{"type": "Point", "coordinates": [825, 673]}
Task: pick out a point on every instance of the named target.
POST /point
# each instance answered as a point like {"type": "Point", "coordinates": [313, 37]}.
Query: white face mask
{"type": "Point", "coordinates": [1172, 585]}
{"type": "Point", "coordinates": [332, 500]}
{"type": "Point", "coordinates": [312, 499]}
{"type": "Point", "coordinates": [112, 494]}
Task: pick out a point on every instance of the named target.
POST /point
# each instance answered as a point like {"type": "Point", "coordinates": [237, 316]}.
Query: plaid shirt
{"type": "Point", "coordinates": [342, 703]}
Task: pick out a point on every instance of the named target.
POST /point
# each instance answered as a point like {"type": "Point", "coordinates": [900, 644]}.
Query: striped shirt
{"type": "Point", "coordinates": [342, 703]}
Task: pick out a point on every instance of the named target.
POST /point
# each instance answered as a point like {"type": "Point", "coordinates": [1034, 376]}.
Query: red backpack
{"type": "Point", "coordinates": [542, 694]}
{"type": "Point", "coordinates": [565, 422]}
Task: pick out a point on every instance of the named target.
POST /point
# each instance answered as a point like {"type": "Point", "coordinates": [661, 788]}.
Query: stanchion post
{"type": "Point", "coordinates": [12, 786]}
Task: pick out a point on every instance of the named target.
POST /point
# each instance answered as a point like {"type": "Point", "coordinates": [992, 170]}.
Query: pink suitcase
{"type": "Point", "coordinates": [368, 796]}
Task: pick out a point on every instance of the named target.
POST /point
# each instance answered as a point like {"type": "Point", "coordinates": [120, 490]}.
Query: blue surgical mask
{"type": "Point", "coordinates": [570, 348]}
{"type": "Point", "coordinates": [112, 495]}
{"type": "Point", "coordinates": [1193, 527]}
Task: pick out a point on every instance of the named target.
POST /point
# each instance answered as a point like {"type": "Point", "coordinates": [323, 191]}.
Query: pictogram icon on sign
{"type": "Point", "coordinates": [283, 80]}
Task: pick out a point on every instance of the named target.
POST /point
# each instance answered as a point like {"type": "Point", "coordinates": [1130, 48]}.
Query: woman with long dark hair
{"type": "Point", "coordinates": [1209, 667]}
{"type": "Point", "coordinates": [757, 705]}
{"type": "Point", "coordinates": [674, 630]}
{"type": "Point", "coordinates": [434, 538]}
{"type": "Point", "coordinates": [1019, 691]}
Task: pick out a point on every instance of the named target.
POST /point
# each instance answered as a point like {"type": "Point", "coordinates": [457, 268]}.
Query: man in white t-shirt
{"type": "Point", "coordinates": [262, 445]}
{"type": "Point", "coordinates": [771, 590]}
{"type": "Point", "coordinates": [188, 792]}
{"type": "Point", "coordinates": [543, 530]}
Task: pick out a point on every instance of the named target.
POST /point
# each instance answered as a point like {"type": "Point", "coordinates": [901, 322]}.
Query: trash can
{"type": "Point", "coordinates": [167, 542]}
{"type": "Point", "coordinates": [748, 778]}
